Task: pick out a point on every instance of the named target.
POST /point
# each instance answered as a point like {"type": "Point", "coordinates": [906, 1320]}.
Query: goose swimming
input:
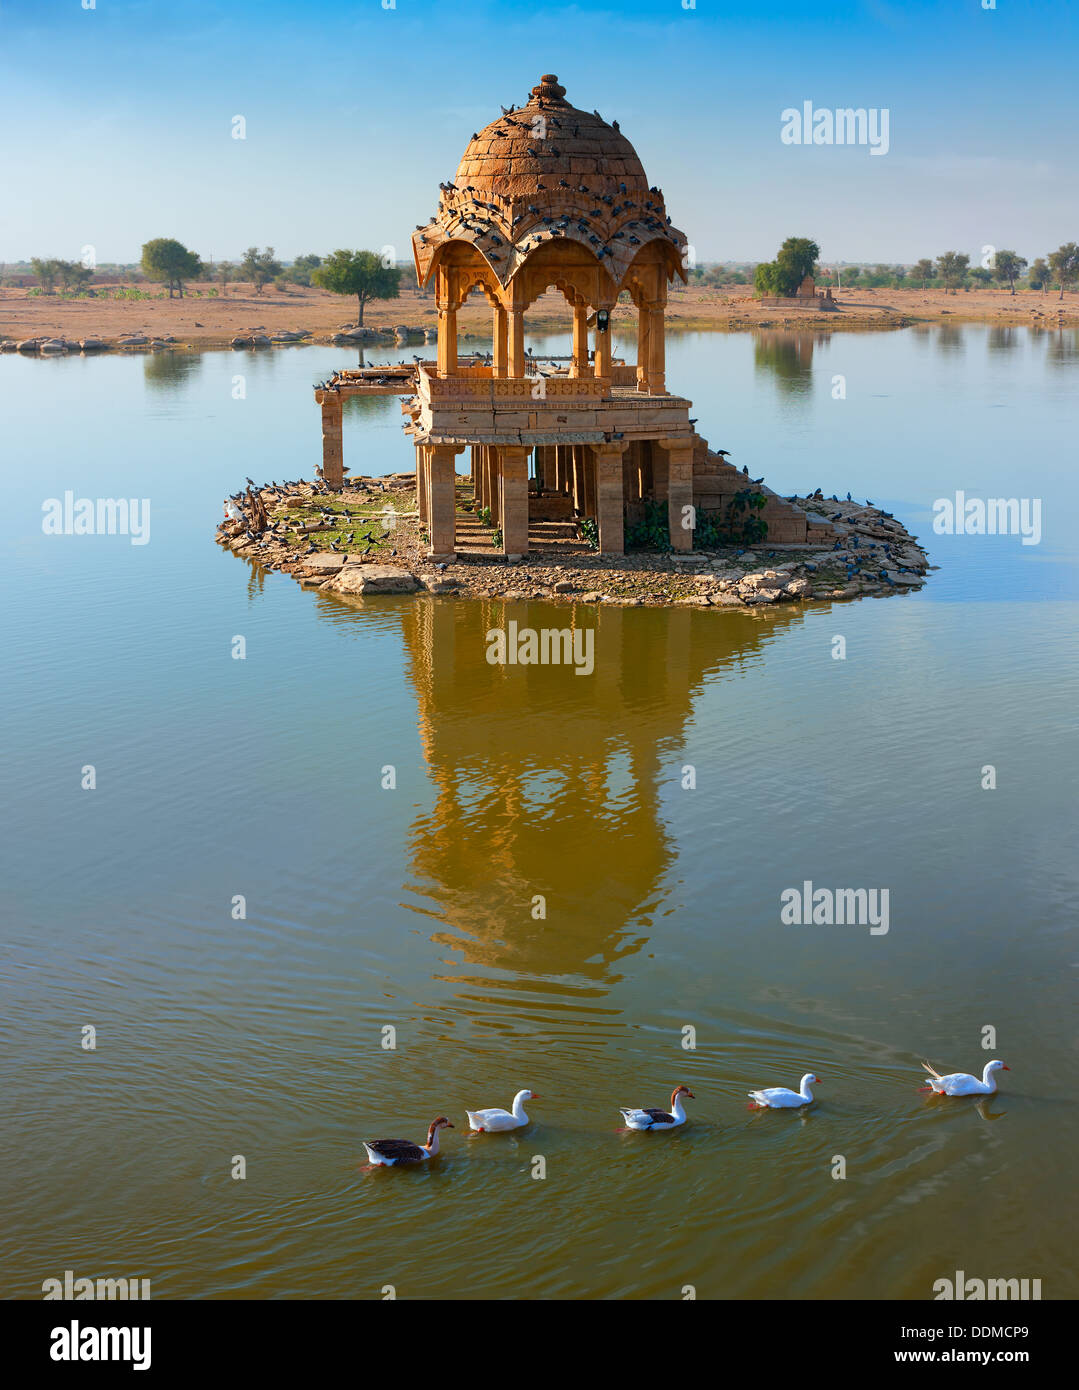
{"type": "Point", "coordinates": [650, 1118]}
{"type": "Point", "coordinates": [961, 1083]}
{"type": "Point", "coordinates": [780, 1098]}
{"type": "Point", "coordinates": [388, 1152]}
{"type": "Point", "coordinates": [494, 1120]}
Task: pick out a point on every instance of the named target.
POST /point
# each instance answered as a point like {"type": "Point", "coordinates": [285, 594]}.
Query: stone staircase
{"type": "Point", "coordinates": [715, 482]}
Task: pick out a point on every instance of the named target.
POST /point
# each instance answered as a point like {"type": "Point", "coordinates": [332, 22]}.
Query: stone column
{"type": "Point", "coordinates": [498, 353]}
{"type": "Point", "coordinates": [679, 490]}
{"type": "Point", "coordinates": [447, 339]}
{"type": "Point", "coordinates": [589, 481]}
{"type": "Point", "coordinates": [421, 482]}
{"type": "Point", "coordinates": [515, 341]}
{"type": "Point", "coordinates": [333, 459]}
{"type": "Point", "coordinates": [578, 479]}
{"type": "Point", "coordinates": [609, 503]}
{"type": "Point", "coordinates": [657, 357]}
{"type": "Point", "coordinates": [580, 341]}
{"type": "Point", "coordinates": [514, 471]}
{"type": "Point", "coordinates": [442, 504]}
{"type": "Point", "coordinates": [644, 333]}
{"type": "Point", "coordinates": [603, 348]}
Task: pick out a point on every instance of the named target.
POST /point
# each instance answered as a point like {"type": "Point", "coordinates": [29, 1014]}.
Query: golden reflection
{"type": "Point", "coordinates": [550, 784]}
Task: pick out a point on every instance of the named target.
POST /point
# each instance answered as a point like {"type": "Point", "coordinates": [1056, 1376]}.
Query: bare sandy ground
{"type": "Point", "coordinates": [200, 320]}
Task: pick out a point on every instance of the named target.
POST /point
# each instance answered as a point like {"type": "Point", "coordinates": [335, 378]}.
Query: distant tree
{"type": "Point", "coordinates": [852, 274]}
{"type": "Point", "coordinates": [46, 272]}
{"type": "Point", "coordinates": [299, 272]}
{"type": "Point", "coordinates": [923, 271]}
{"type": "Point", "coordinates": [796, 259]}
{"type": "Point", "coordinates": [1039, 274]}
{"type": "Point", "coordinates": [169, 262]}
{"type": "Point", "coordinates": [1064, 264]}
{"type": "Point", "coordinates": [1008, 267]}
{"type": "Point", "coordinates": [952, 269]}
{"type": "Point", "coordinates": [982, 275]}
{"type": "Point", "coordinates": [72, 275]}
{"type": "Point", "coordinates": [899, 275]}
{"type": "Point", "coordinates": [259, 267]}
{"type": "Point", "coordinates": [226, 271]}
{"type": "Point", "coordinates": [360, 273]}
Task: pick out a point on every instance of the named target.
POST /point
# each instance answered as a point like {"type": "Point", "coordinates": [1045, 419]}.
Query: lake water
{"type": "Point", "coordinates": [412, 907]}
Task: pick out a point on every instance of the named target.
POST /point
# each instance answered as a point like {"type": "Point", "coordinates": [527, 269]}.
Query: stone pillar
{"type": "Point", "coordinates": [514, 471]}
{"type": "Point", "coordinates": [609, 504]}
{"type": "Point", "coordinates": [644, 333]}
{"type": "Point", "coordinates": [603, 348]}
{"type": "Point", "coordinates": [447, 339]}
{"type": "Point", "coordinates": [498, 353]}
{"type": "Point", "coordinates": [578, 479]}
{"type": "Point", "coordinates": [421, 482]}
{"type": "Point", "coordinates": [515, 341]}
{"type": "Point", "coordinates": [333, 459]}
{"type": "Point", "coordinates": [580, 341]}
{"type": "Point", "coordinates": [679, 490]}
{"type": "Point", "coordinates": [589, 481]}
{"type": "Point", "coordinates": [657, 356]}
{"type": "Point", "coordinates": [442, 504]}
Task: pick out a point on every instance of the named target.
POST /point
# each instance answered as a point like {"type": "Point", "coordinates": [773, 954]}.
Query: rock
{"type": "Point", "coordinates": [564, 586]}
{"type": "Point", "coordinates": [437, 584]}
{"type": "Point", "coordinates": [296, 502]}
{"type": "Point", "coordinates": [93, 344]}
{"type": "Point", "coordinates": [374, 579]}
{"type": "Point", "coordinates": [326, 563]}
{"type": "Point", "coordinates": [763, 596]}
{"type": "Point", "coordinates": [726, 601]}
{"type": "Point", "coordinates": [28, 344]}
{"type": "Point", "coordinates": [133, 340]}
{"type": "Point", "coordinates": [241, 342]}
{"type": "Point", "coordinates": [797, 588]}
{"type": "Point", "coordinates": [593, 596]}
{"type": "Point", "coordinates": [53, 345]}
{"type": "Point", "coordinates": [259, 340]}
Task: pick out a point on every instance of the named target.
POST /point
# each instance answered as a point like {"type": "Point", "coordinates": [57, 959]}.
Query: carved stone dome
{"type": "Point", "coordinates": [529, 149]}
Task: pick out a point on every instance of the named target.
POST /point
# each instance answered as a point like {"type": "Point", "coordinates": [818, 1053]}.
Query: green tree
{"type": "Point", "coordinates": [361, 273]}
{"type": "Point", "coordinates": [1008, 267]}
{"type": "Point", "coordinates": [1039, 275]}
{"type": "Point", "coordinates": [982, 275]}
{"type": "Point", "coordinates": [259, 267]}
{"type": "Point", "coordinates": [169, 262]}
{"type": "Point", "coordinates": [72, 275]}
{"type": "Point", "coordinates": [300, 271]}
{"type": "Point", "coordinates": [226, 271]}
{"type": "Point", "coordinates": [46, 272]}
{"type": "Point", "coordinates": [952, 269]}
{"type": "Point", "coordinates": [1064, 264]}
{"type": "Point", "coordinates": [923, 271]}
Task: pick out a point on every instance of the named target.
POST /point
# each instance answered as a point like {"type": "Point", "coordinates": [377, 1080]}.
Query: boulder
{"type": "Point", "coordinates": [326, 563]}
{"type": "Point", "coordinates": [374, 579]}
{"type": "Point", "coordinates": [53, 345]}
{"type": "Point", "coordinates": [93, 344]}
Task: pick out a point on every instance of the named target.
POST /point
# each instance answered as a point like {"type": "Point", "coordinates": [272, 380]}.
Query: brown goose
{"type": "Point", "coordinates": [388, 1152]}
{"type": "Point", "coordinates": [651, 1118]}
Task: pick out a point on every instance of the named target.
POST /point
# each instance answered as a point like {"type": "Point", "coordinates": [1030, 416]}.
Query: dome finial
{"type": "Point", "coordinates": [549, 88]}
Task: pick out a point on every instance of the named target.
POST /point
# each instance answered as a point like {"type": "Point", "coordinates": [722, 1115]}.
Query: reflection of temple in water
{"type": "Point", "coordinates": [550, 783]}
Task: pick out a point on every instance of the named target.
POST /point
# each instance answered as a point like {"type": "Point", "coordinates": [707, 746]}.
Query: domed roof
{"type": "Point", "coordinates": [546, 173]}
{"type": "Point", "coordinates": [529, 148]}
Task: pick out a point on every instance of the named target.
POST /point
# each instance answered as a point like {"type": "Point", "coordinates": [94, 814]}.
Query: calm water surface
{"type": "Point", "coordinates": [412, 907]}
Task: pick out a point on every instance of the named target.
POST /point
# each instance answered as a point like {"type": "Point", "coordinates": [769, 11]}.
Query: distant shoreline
{"type": "Point", "coordinates": [201, 321]}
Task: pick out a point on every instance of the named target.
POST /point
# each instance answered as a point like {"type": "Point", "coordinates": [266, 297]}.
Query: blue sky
{"type": "Point", "coordinates": [119, 119]}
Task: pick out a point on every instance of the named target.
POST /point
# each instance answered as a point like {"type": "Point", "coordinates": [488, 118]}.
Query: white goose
{"type": "Point", "coordinates": [388, 1152]}
{"type": "Point", "coordinates": [493, 1120]}
{"type": "Point", "coordinates": [650, 1118]}
{"type": "Point", "coordinates": [961, 1083]}
{"type": "Point", "coordinates": [780, 1098]}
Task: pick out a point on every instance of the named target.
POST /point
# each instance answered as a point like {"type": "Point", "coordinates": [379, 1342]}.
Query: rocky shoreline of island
{"type": "Point", "coordinates": [368, 540]}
